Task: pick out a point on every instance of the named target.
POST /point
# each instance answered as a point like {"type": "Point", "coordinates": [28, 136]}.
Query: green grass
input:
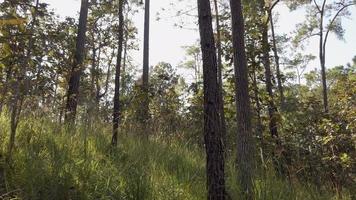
{"type": "Point", "coordinates": [51, 163]}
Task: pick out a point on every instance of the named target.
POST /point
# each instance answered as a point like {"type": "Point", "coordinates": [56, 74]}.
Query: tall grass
{"type": "Point", "coordinates": [50, 163]}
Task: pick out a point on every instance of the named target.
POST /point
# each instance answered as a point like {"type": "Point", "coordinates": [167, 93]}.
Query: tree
{"type": "Point", "coordinates": [78, 65]}
{"type": "Point", "coordinates": [245, 160]}
{"type": "Point", "coordinates": [275, 52]}
{"type": "Point", "coordinates": [322, 19]}
{"type": "Point", "coordinates": [299, 63]}
{"type": "Point", "coordinates": [220, 67]}
{"type": "Point", "coordinates": [20, 84]}
{"type": "Point", "coordinates": [272, 109]}
{"type": "Point", "coordinates": [212, 126]}
{"type": "Point", "coordinates": [145, 74]}
{"type": "Point", "coordinates": [116, 111]}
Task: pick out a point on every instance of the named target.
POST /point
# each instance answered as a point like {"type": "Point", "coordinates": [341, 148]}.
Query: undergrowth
{"type": "Point", "coordinates": [52, 162]}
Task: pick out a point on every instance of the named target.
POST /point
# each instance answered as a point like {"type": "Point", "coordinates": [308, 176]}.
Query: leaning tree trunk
{"type": "Point", "coordinates": [220, 78]}
{"type": "Point", "coordinates": [272, 109]}
{"type": "Point", "coordinates": [245, 144]}
{"type": "Point", "coordinates": [276, 59]}
{"type": "Point", "coordinates": [77, 68]}
{"type": "Point", "coordinates": [116, 111]}
{"type": "Point", "coordinates": [212, 126]}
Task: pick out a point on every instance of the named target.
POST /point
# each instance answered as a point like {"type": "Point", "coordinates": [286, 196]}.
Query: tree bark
{"type": "Point", "coordinates": [145, 75]}
{"type": "Point", "coordinates": [220, 78]}
{"type": "Point", "coordinates": [77, 68]}
{"type": "Point", "coordinates": [322, 58]}
{"type": "Point", "coordinates": [245, 144]}
{"type": "Point", "coordinates": [116, 111]}
{"type": "Point", "coordinates": [272, 109]}
{"type": "Point", "coordinates": [276, 59]}
{"type": "Point", "coordinates": [212, 126]}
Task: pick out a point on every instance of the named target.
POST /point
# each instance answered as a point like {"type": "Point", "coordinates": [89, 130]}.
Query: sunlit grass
{"type": "Point", "coordinates": [50, 163]}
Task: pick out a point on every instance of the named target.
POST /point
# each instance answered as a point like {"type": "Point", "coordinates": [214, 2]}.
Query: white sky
{"type": "Point", "coordinates": [166, 40]}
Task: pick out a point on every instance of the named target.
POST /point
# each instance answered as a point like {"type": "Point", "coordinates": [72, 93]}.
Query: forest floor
{"type": "Point", "coordinates": [50, 163]}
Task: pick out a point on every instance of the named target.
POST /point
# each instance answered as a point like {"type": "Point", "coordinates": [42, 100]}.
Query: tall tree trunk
{"type": "Point", "coordinates": [272, 109]}
{"type": "Point", "coordinates": [145, 104]}
{"type": "Point", "coordinates": [220, 78]}
{"type": "Point", "coordinates": [126, 40]}
{"type": "Point", "coordinates": [77, 68]}
{"type": "Point", "coordinates": [116, 111]}
{"type": "Point", "coordinates": [212, 126]}
{"type": "Point", "coordinates": [322, 58]}
{"type": "Point", "coordinates": [276, 59]}
{"type": "Point", "coordinates": [245, 144]}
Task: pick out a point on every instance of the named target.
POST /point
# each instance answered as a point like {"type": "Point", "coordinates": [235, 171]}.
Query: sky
{"type": "Point", "coordinates": [166, 40]}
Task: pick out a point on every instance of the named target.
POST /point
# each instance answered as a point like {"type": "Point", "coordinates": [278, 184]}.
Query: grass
{"type": "Point", "coordinates": [50, 163]}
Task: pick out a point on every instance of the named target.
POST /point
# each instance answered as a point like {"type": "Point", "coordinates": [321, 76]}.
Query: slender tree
{"type": "Point", "coordinates": [326, 21]}
{"type": "Point", "coordinates": [116, 111]}
{"type": "Point", "coordinates": [276, 56]}
{"type": "Point", "coordinates": [145, 74]}
{"type": "Point", "coordinates": [212, 126]}
{"type": "Point", "coordinates": [245, 158]}
{"type": "Point", "coordinates": [77, 68]}
{"type": "Point", "coordinates": [220, 67]}
{"type": "Point", "coordinates": [272, 109]}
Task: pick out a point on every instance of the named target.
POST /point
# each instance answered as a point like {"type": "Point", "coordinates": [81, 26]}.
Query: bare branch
{"type": "Point", "coordinates": [333, 20]}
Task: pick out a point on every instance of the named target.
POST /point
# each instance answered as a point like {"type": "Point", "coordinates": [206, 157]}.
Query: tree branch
{"type": "Point", "coordinates": [332, 22]}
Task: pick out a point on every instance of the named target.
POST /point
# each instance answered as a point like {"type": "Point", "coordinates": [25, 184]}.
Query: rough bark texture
{"type": "Point", "coordinates": [212, 127]}
{"type": "Point", "coordinates": [245, 158]}
{"type": "Point", "coordinates": [145, 74]}
{"type": "Point", "coordinates": [77, 68]}
{"type": "Point", "coordinates": [116, 111]}
{"type": "Point", "coordinates": [220, 78]}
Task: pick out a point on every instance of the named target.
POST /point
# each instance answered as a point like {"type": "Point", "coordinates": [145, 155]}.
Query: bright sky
{"type": "Point", "coordinates": [166, 40]}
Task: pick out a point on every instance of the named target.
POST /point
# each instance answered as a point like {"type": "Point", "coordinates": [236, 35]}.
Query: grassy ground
{"type": "Point", "coordinates": [50, 162]}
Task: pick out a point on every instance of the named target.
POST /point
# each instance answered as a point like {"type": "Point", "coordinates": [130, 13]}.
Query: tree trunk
{"type": "Point", "coordinates": [77, 68]}
{"type": "Point", "coordinates": [220, 78]}
{"type": "Point", "coordinates": [322, 59]}
{"type": "Point", "coordinates": [272, 109]}
{"type": "Point", "coordinates": [245, 144]}
{"type": "Point", "coordinates": [126, 40]}
{"type": "Point", "coordinates": [116, 111]}
{"type": "Point", "coordinates": [212, 126]}
{"type": "Point", "coordinates": [276, 59]}
{"type": "Point", "coordinates": [145, 104]}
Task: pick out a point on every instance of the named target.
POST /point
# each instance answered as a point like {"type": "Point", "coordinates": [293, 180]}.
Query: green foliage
{"type": "Point", "coordinates": [50, 163]}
